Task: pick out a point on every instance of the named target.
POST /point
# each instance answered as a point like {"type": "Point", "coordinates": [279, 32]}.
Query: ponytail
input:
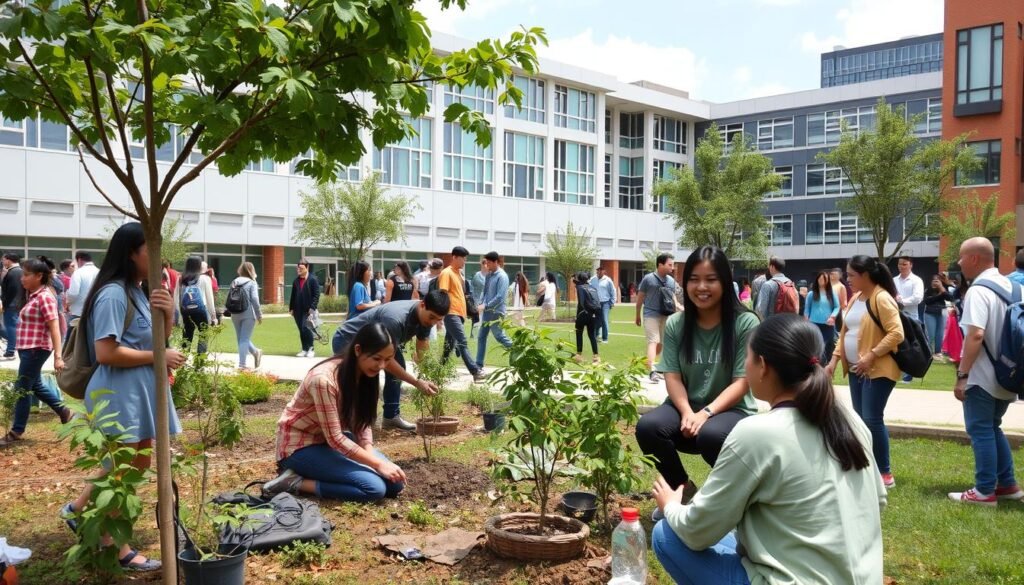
{"type": "Point", "coordinates": [816, 401]}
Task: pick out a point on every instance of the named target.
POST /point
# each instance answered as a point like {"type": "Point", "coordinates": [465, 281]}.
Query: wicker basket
{"type": "Point", "coordinates": [444, 425]}
{"type": "Point", "coordinates": [513, 545]}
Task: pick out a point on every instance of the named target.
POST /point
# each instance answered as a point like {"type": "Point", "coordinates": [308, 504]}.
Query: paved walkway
{"type": "Point", "coordinates": [922, 407]}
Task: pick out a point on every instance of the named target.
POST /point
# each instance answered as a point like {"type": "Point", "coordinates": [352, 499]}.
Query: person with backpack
{"type": "Point", "coordinates": [655, 302]}
{"type": "Point", "coordinates": [994, 324]}
{"type": "Point", "coordinates": [822, 308]}
{"type": "Point", "coordinates": [871, 332]}
{"type": "Point", "coordinates": [704, 365]}
{"type": "Point", "coordinates": [588, 315]}
{"type": "Point", "coordinates": [493, 306]}
{"type": "Point", "coordinates": [195, 300]}
{"type": "Point", "coordinates": [243, 302]}
{"type": "Point", "coordinates": [778, 294]}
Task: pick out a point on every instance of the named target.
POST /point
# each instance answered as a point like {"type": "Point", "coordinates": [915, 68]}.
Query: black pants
{"type": "Point", "coordinates": [195, 319]}
{"type": "Point", "coordinates": [305, 333]}
{"type": "Point", "coordinates": [591, 326]}
{"type": "Point", "coordinates": [658, 435]}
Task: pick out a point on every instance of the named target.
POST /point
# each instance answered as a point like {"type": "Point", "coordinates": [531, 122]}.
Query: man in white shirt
{"type": "Point", "coordinates": [985, 401]}
{"type": "Point", "coordinates": [81, 284]}
{"type": "Point", "coordinates": [911, 292]}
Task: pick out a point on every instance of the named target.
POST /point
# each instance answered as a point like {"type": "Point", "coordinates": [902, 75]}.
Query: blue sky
{"type": "Point", "coordinates": [718, 50]}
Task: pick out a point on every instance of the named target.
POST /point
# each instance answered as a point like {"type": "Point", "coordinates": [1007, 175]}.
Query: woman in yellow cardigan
{"type": "Point", "coordinates": [871, 331]}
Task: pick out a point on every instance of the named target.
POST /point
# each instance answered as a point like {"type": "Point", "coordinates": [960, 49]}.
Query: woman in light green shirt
{"type": "Point", "coordinates": [798, 484]}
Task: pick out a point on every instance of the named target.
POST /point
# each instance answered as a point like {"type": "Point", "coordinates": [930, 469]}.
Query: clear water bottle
{"type": "Point", "coordinates": [629, 550]}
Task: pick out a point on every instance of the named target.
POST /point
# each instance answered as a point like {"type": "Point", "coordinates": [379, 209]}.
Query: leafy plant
{"type": "Point", "coordinates": [480, 397]}
{"type": "Point", "coordinates": [202, 389]}
{"type": "Point", "coordinates": [613, 402]}
{"type": "Point", "coordinates": [332, 304]}
{"type": "Point", "coordinates": [419, 515]}
{"type": "Point", "coordinates": [434, 368]}
{"type": "Point", "coordinates": [251, 387]}
{"type": "Point", "coordinates": [304, 554]}
{"type": "Point", "coordinates": [8, 397]}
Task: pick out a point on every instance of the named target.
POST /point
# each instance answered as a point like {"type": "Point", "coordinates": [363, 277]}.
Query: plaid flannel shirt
{"type": "Point", "coordinates": [33, 331]}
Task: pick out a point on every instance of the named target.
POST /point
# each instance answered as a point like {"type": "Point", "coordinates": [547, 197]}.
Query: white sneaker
{"type": "Point", "coordinates": [257, 358]}
{"type": "Point", "coordinates": [311, 353]}
{"type": "Point", "coordinates": [301, 354]}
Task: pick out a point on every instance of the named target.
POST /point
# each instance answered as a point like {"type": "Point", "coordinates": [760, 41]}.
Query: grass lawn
{"type": "Point", "coordinates": [278, 336]}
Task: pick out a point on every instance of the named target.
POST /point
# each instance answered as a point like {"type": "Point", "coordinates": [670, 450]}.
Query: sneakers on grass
{"type": "Point", "coordinates": [888, 481]}
{"type": "Point", "coordinates": [972, 496]}
{"type": "Point", "coordinates": [1009, 493]}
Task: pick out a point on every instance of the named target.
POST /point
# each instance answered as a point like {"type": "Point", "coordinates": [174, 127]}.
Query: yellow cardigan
{"type": "Point", "coordinates": [870, 338]}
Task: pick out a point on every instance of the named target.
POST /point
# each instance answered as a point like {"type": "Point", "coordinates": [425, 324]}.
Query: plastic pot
{"type": "Point", "coordinates": [494, 421]}
{"type": "Point", "coordinates": [223, 570]}
{"type": "Point", "coordinates": [579, 505]}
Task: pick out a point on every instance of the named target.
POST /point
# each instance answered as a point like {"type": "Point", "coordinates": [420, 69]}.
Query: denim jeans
{"type": "Point", "coordinates": [993, 460]}
{"type": "Point", "coordinates": [490, 322]}
{"type": "Point", "coordinates": [719, 564]}
{"type": "Point", "coordinates": [11, 328]}
{"type": "Point", "coordinates": [30, 381]}
{"type": "Point", "coordinates": [935, 328]}
{"type": "Point", "coordinates": [244, 326]}
{"type": "Point", "coordinates": [603, 323]}
{"type": "Point", "coordinates": [828, 337]}
{"type": "Point", "coordinates": [339, 478]}
{"type": "Point", "coordinates": [455, 338]}
{"type": "Point", "coordinates": [393, 387]}
{"type": "Point", "coordinates": [869, 398]}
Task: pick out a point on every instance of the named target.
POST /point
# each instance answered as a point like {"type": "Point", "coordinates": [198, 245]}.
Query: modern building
{"type": "Point", "coordinates": [907, 56]}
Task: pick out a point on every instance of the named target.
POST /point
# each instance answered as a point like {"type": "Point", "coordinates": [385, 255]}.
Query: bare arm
{"type": "Point", "coordinates": [389, 285]}
{"type": "Point", "coordinates": [640, 296]}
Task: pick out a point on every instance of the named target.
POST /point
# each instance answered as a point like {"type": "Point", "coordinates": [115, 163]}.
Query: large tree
{"type": "Point", "coordinates": [569, 250]}
{"type": "Point", "coordinates": [719, 201]}
{"type": "Point", "coordinates": [969, 216]}
{"type": "Point", "coordinates": [230, 82]}
{"type": "Point", "coordinates": [353, 218]}
{"type": "Point", "coordinates": [895, 175]}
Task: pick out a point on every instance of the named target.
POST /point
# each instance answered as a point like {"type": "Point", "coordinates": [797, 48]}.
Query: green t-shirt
{"type": "Point", "coordinates": [707, 376]}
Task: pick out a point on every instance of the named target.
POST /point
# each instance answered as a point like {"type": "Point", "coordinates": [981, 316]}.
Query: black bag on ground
{"type": "Point", "coordinates": [913, 355]}
{"type": "Point", "coordinates": [281, 520]}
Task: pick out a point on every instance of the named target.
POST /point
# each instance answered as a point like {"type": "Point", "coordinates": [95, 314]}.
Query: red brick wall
{"type": "Point", "coordinates": [273, 274]}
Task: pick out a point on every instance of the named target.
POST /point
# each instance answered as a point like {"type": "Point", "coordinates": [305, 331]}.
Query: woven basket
{"type": "Point", "coordinates": [444, 425]}
{"type": "Point", "coordinates": [527, 547]}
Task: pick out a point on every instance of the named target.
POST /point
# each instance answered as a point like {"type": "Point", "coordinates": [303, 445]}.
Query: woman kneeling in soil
{"type": "Point", "coordinates": [798, 484]}
{"type": "Point", "coordinates": [325, 435]}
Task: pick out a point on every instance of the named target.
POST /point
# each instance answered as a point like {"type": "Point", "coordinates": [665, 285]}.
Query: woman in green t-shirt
{"type": "Point", "coordinates": [703, 362]}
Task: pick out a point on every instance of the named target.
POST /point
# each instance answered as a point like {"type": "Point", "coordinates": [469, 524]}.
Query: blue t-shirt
{"type": "Point", "coordinates": [358, 296]}
{"type": "Point", "coordinates": [652, 296]}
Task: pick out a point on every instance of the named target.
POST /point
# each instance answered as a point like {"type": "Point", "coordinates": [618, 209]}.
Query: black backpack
{"type": "Point", "coordinates": [281, 520]}
{"type": "Point", "coordinates": [590, 300]}
{"type": "Point", "coordinates": [237, 301]}
{"type": "Point", "coordinates": [666, 297]}
{"type": "Point", "coordinates": [913, 355]}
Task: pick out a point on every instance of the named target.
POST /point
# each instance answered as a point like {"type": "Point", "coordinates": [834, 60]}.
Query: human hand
{"type": "Point", "coordinates": [664, 494]}
{"type": "Point", "coordinates": [864, 364]}
{"type": "Point", "coordinates": [428, 388]}
{"type": "Point", "coordinates": [161, 299]}
{"type": "Point", "coordinates": [58, 363]}
{"type": "Point", "coordinates": [175, 359]}
{"type": "Point", "coordinates": [959, 389]}
{"type": "Point", "coordinates": [638, 323]}
{"type": "Point", "coordinates": [692, 423]}
{"type": "Point", "coordinates": [831, 321]}
{"type": "Point", "coordinates": [259, 321]}
{"type": "Point", "coordinates": [391, 472]}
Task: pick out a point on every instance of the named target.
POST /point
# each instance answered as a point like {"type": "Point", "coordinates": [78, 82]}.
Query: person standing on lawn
{"type": "Point", "coordinates": [985, 400]}
{"type": "Point", "coordinates": [452, 282]}
{"type": "Point", "coordinates": [704, 368]}
{"type": "Point", "coordinates": [910, 293]}
{"type": "Point", "coordinates": [401, 286]}
{"type": "Point", "coordinates": [585, 319]}
{"type": "Point", "coordinates": [10, 297]}
{"type": "Point", "coordinates": [606, 294]}
{"type": "Point", "coordinates": [492, 306]}
{"type": "Point", "coordinates": [548, 289]}
{"type": "Point", "coordinates": [871, 332]}
{"type": "Point", "coordinates": [649, 302]}
{"type": "Point", "coordinates": [81, 285]}
{"type": "Point", "coordinates": [822, 308]}
{"type": "Point", "coordinates": [246, 321]}
{"type": "Point", "coordinates": [797, 485]}
{"type": "Point", "coordinates": [520, 298]}
{"type": "Point", "coordinates": [934, 303]}
{"type": "Point", "coordinates": [38, 336]}
{"type": "Point", "coordinates": [196, 303]}
{"type": "Point", "coordinates": [304, 299]}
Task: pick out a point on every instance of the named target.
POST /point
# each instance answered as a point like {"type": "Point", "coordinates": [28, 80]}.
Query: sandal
{"type": "Point", "coordinates": [143, 567]}
{"type": "Point", "coordinates": [9, 439]}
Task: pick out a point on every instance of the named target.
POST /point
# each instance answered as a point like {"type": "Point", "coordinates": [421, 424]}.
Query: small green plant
{"type": "Point", "coordinates": [434, 368]}
{"type": "Point", "coordinates": [480, 397]}
{"type": "Point", "coordinates": [419, 515]}
{"type": "Point", "coordinates": [251, 387]}
{"type": "Point", "coordinates": [8, 397]}
{"type": "Point", "coordinates": [333, 304]}
{"type": "Point", "coordinates": [202, 389]}
{"type": "Point", "coordinates": [304, 554]}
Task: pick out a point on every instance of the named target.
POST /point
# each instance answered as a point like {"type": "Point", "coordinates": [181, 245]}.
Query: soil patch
{"type": "Point", "coordinates": [275, 405]}
{"type": "Point", "coordinates": [442, 481]}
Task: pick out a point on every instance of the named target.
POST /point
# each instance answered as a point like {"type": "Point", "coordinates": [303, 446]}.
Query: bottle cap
{"type": "Point", "coordinates": [630, 514]}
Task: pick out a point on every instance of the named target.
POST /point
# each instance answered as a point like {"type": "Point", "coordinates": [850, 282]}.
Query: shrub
{"type": "Point", "coordinates": [8, 397]}
{"type": "Point", "coordinates": [335, 304]}
{"type": "Point", "coordinates": [433, 368]}
{"type": "Point", "coordinates": [480, 397]}
{"type": "Point", "coordinates": [303, 554]}
{"type": "Point", "coordinates": [274, 309]}
{"type": "Point", "coordinates": [251, 387]}
{"type": "Point", "coordinates": [419, 515]}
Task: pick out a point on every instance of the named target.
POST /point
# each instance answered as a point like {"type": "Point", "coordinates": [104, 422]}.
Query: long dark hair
{"type": "Point", "coordinates": [828, 287]}
{"type": "Point", "coordinates": [550, 276]}
{"type": "Point", "coordinates": [404, 267]}
{"type": "Point", "coordinates": [791, 346]}
{"type": "Point", "coordinates": [358, 394]}
{"type": "Point", "coordinates": [118, 265]}
{"type": "Point", "coordinates": [730, 306]}
{"type": "Point", "coordinates": [36, 266]}
{"type": "Point", "coordinates": [524, 286]}
{"type": "Point", "coordinates": [193, 266]}
{"type": "Point", "coordinates": [877, 272]}
{"type": "Point", "coordinates": [355, 274]}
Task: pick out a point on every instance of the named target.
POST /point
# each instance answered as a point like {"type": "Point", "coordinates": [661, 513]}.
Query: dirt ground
{"type": "Point", "coordinates": [38, 477]}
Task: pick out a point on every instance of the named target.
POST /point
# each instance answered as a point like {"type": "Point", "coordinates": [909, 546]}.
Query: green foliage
{"type": "Point", "coordinates": [202, 389]}
{"type": "Point", "coordinates": [719, 201]}
{"type": "Point", "coordinates": [969, 216]}
{"type": "Point", "coordinates": [251, 387]}
{"type": "Point", "coordinates": [303, 554]}
{"type": "Point", "coordinates": [8, 397]}
{"type": "Point", "coordinates": [175, 248]}
{"type": "Point", "coordinates": [611, 466]}
{"type": "Point", "coordinates": [419, 515]}
{"type": "Point", "coordinates": [432, 367]}
{"type": "Point", "coordinates": [331, 304]}
{"type": "Point", "coordinates": [114, 505]}
{"type": "Point", "coordinates": [651, 258]}
{"type": "Point", "coordinates": [895, 175]}
{"type": "Point", "coordinates": [481, 397]}
{"type": "Point", "coordinates": [569, 250]}
{"type": "Point", "coordinates": [353, 218]}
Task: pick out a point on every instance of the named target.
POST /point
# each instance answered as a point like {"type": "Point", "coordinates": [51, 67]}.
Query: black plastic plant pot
{"type": "Point", "coordinates": [494, 421]}
{"type": "Point", "coordinates": [222, 570]}
{"type": "Point", "coordinates": [580, 505]}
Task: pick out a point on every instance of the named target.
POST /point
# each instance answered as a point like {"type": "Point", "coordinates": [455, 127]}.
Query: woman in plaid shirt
{"type": "Point", "coordinates": [38, 336]}
{"type": "Point", "coordinates": [325, 435]}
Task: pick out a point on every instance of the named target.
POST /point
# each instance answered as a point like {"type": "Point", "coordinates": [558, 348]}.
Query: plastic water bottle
{"type": "Point", "coordinates": [629, 550]}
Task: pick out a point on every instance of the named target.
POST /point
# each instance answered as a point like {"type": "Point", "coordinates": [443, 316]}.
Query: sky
{"type": "Point", "coordinates": [718, 50]}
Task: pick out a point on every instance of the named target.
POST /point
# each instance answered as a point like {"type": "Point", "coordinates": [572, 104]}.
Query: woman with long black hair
{"type": "Point", "coordinates": [703, 364]}
{"type": "Point", "coordinates": [118, 320]}
{"type": "Point", "coordinates": [401, 286]}
{"type": "Point", "coordinates": [359, 300]}
{"type": "Point", "coordinates": [520, 298]}
{"type": "Point", "coordinates": [196, 302]}
{"type": "Point", "coordinates": [797, 484]}
{"type": "Point", "coordinates": [325, 434]}
{"type": "Point", "coordinates": [822, 308]}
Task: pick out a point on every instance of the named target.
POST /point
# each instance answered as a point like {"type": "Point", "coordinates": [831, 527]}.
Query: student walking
{"type": "Point", "coordinates": [794, 496]}
{"type": "Point", "coordinates": [822, 308]}
{"type": "Point", "coordinates": [11, 297]}
{"type": "Point", "coordinates": [304, 299]}
{"type": "Point", "coordinates": [520, 298]}
{"type": "Point", "coordinates": [704, 369]}
{"type": "Point", "coordinates": [871, 332]}
{"type": "Point", "coordinates": [246, 289]}
{"type": "Point", "coordinates": [81, 284]}
{"type": "Point", "coordinates": [492, 306]}
{"type": "Point", "coordinates": [196, 303]}
{"type": "Point", "coordinates": [652, 311]}
{"type": "Point", "coordinates": [452, 282]}
{"type": "Point", "coordinates": [585, 318]}
{"type": "Point", "coordinates": [548, 291]}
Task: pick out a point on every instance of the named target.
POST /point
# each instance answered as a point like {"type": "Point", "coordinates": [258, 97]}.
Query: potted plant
{"type": "Point", "coordinates": [433, 422]}
{"type": "Point", "coordinates": [492, 412]}
{"type": "Point", "coordinates": [542, 400]}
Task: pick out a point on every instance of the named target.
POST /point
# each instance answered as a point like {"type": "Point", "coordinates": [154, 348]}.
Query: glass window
{"type": "Point", "coordinates": [607, 180]}
{"type": "Point", "coordinates": [468, 167]}
{"type": "Point", "coordinates": [524, 166]}
{"type": "Point", "coordinates": [786, 190]}
{"type": "Point", "coordinates": [663, 170]}
{"type": "Point", "coordinates": [477, 98]}
{"type": "Point", "coordinates": [265, 165]}
{"type": "Point", "coordinates": [979, 64]}
{"type": "Point", "coordinates": [607, 126]}
{"type": "Point", "coordinates": [989, 151]}
{"type": "Point", "coordinates": [533, 100]}
{"type": "Point", "coordinates": [53, 136]}
{"type": "Point", "coordinates": [777, 133]}
{"type": "Point", "coordinates": [669, 135]}
{"type": "Point", "coordinates": [826, 127]}
{"type": "Point", "coordinates": [407, 162]}
{"type": "Point", "coordinates": [930, 232]}
{"type": "Point", "coordinates": [631, 182]}
{"type": "Point", "coordinates": [780, 230]}
{"type": "Point", "coordinates": [728, 132]}
{"type": "Point", "coordinates": [631, 130]}
{"type": "Point", "coordinates": [825, 180]}
{"type": "Point", "coordinates": [575, 109]}
{"type": "Point", "coordinates": [834, 228]}
{"type": "Point", "coordinates": [12, 133]}
{"type": "Point", "coordinates": [574, 173]}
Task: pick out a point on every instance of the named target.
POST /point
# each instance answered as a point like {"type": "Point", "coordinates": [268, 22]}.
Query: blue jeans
{"type": "Point", "coordinates": [11, 328]}
{"type": "Point", "coordinates": [244, 326]}
{"type": "Point", "coordinates": [490, 322]}
{"type": "Point", "coordinates": [455, 338]}
{"type": "Point", "coordinates": [393, 387]}
{"type": "Point", "coordinates": [935, 328]}
{"type": "Point", "coordinates": [603, 323]}
{"type": "Point", "coordinates": [828, 337]}
{"type": "Point", "coordinates": [30, 381]}
{"type": "Point", "coordinates": [869, 398]}
{"type": "Point", "coordinates": [719, 564]}
{"type": "Point", "coordinates": [339, 478]}
{"type": "Point", "coordinates": [993, 460]}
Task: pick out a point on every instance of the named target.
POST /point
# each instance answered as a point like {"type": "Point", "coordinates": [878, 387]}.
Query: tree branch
{"type": "Point", "coordinates": [100, 190]}
{"type": "Point", "coordinates": [121, 124]}
{"type": "Point", "coordinates": [150, 119]}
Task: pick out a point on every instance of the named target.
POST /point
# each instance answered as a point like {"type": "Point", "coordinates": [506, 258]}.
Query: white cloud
{"type": "Point", "coordinates": [743, 74]}
{"type": "Point", "coordinates": [779, 2]}
{"type": "Point", "coordinates": [630, 60]}
{"type": "Point", "coordinates": [453, 20]}
{"type": "Point", "coordinates": [864, 22]}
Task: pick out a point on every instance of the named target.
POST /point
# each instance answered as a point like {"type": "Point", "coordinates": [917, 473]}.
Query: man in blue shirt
{"type": "Point", "coordinates": [606, 295]}
{"type": "Point", "coordinates": [1018, 275]}
{"type": "Point", "coordinates": [492, 306]}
